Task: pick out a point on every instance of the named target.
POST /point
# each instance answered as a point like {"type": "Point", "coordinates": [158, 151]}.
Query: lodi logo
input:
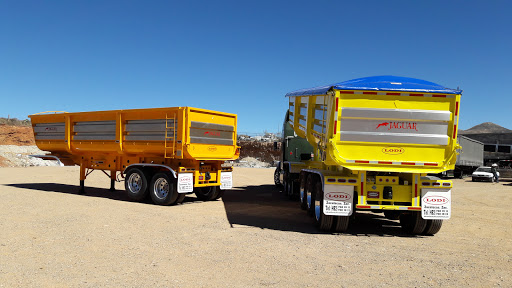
{"type": "Point", "coordinates": [338, 196]}
{"type": "Point", "coordinates": [436, 200]}
{"type": "Point", "coordinates": [185, 179]}
{"type": "Point", "coordinates": [212, 148]}
{"type": "Point", "coordinates": [393, 150]}
{"type": "Point", "coordinates": [391, 125]}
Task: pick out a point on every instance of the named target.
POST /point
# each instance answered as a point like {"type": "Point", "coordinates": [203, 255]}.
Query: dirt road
{"type": "Point", "coordinates": [52, 237]}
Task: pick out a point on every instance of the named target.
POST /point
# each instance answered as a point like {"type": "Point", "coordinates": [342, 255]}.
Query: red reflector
{"type": "Point", "coordinates": [331, 180]}
{"type": "Point", "coordinates": [364, 207]}
{"type": "Point", "coordinates": [446, 184]}
{"type": "Point", "coordinates": [387, 180]}
{"type": "Point", "coordinates": [348, 92]}
{"type": "Point", "coordinates": [456, 108]}
{"type": "Point", "coordinates": [414, 208]}
{"type": "Point", "coordinates": [337, 105]}
{"type": "Point", "coordinates": [408, 163]}
{"type": "Point", "coordinates": [385, 162]}
{"type": "Point", "coordinates": [436, 184]}
{"type": "Point", "coordinates": [352, 181]}
{"type": "Point", "coordinates": [342, 180]}
{"type": "Point", "coordinates": [335, 127]}
{"type": "Point", "coordinates": [291, 153]}
{"type": "Point", "coordinates": [454, 131]}
{"type": "Point", "coordinates": [425, 183]}
{"type": "Point", "coordinates": [361, 161]}
{"type": "Point", "coordinates": [430, 164]}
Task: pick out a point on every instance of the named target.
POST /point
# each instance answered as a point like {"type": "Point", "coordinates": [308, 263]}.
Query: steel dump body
{"type": "Point", "coordinates": [380, 131]}
{"type": "Point", "coordinates": [179, 139]}
{"type": "Point", "coordinates": [375, 139]}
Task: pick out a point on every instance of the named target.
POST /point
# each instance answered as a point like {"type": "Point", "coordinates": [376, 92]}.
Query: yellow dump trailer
{"type": "Point", "coordinates": [164, 152]}
{"type": "Point", "coordinates": [370, 144]}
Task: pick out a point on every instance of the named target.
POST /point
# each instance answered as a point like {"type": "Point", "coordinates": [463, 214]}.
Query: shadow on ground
{"type": "Point", "coordinates": [266, 208]}
{"type": "Point", "coordinates": [118, 195]}
{"type": "Point", "coordinates": [261, 206]}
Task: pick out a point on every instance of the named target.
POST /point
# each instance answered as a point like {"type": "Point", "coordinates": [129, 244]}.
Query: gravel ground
{"type": "Point", "coordinates": [52, 237]}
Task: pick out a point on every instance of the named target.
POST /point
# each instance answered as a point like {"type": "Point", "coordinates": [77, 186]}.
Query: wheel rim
{"type": "Point", "coordinates": [135, 182]}
{"type": "Point", "coordinates": [161, 188]}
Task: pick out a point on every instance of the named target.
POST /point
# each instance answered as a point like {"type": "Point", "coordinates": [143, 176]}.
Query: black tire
{"type": "Point", "coordinates": [322, 221]}
{"type": "Point", "coordinates": [136, 184]}
{"type": "Point", "coordinates": [208, 193]}
{"type": "Point", "coordinates": [340, 223]}
{"type": "Point", "coordinates": [163, 189]}
{"type": "Point", "coordinates": [392, 215]}
{"type": "Point", "coordinates": [286, 179]}
{"type": "Point", "coordinates": [433, 226]}
{"type": "Point", "coordinates": [310, 194]}
{"type": "Point", "coordinates": [181, 197]}
{"type": "Point", "coordinates": [473, 179]}
{"type": "Point", "coordinates": [302, 192]}
{"type": "Point", "coordinates": [277, 181]}
{"type": "Point", "coordinates": [413, 223]}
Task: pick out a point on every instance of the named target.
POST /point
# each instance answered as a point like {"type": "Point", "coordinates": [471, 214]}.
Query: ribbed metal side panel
{"type": "Point", "coordinates": [50, 131]}
{"type": "Point", "coordinates": [394, 126]}
{"type": "Point", "coordinates": [149, 130]}
{"type": "Point", "coordinates": [95, 130]}
{"type": "Point", "coordinates": [208, 133]}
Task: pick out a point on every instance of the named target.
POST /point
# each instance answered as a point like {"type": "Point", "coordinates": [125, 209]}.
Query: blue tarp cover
{"type": "Point", "coordinates": [380, 83]}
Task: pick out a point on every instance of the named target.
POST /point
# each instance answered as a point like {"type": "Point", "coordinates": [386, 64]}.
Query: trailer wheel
{"type": "Point", "coordinates": [163, 189]}
{"type": "Point", "coordinates": [341, 223]}
{"type": "Point", "coordinates": [136, 184]}
{"type": "Point", "coordinates": [310, 194]}
{"type": "Point", "coordinates": [286, 175]}
{"type": "Point", "coordinates": [276, 177]}
{"type": "Point", "coordinates": [322, 221]}
{"type": "Point", "coordinates": [433, 226]}
{"type": "Point", "coordinates": [208, 193]}
{"type": "Point", "coordinates": [302, 192]}
{"type": "Point", "coordinates": [413, 223]}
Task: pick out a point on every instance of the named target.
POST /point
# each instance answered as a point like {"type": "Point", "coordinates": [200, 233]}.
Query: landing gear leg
{"type": "Point", "coordinates": [112, 180]}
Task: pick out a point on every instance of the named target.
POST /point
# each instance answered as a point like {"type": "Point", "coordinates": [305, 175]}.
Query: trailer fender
{"type": "Point", "coordinates": [151, 165]}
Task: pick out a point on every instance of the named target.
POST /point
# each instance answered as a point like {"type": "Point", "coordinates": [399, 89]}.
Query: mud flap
{"type": "Point", "coordinates": [338, 200]}
{"type": "Point", "coordinates": [436, 204]}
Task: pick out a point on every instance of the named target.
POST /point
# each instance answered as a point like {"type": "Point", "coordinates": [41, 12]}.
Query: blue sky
{"type": "Point", "coordinates": [244, 56]}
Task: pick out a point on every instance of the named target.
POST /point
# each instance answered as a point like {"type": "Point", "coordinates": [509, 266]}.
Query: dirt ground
{"type": "Point", "coordinates": [52, 237]}
{"type": "Point", "coordinates": [16, 135]}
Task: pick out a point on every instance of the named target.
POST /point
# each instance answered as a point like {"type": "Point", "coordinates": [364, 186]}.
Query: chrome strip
{"type": "Point", "coordinates": [429, 139]}
{"type": "Point", "coordinates": [402, 127]}
{"type": "Point", "coordinates": [396, 114]}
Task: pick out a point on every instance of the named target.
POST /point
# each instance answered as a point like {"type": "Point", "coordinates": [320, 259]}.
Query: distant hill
{"type": "Point", "coordinates": [487, 127]}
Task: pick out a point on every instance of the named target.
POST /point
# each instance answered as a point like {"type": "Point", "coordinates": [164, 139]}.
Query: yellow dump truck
{"type": "Point", "coordinates": [367, 145]}
{"type": "Point", "coordinates": [163, 152]}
